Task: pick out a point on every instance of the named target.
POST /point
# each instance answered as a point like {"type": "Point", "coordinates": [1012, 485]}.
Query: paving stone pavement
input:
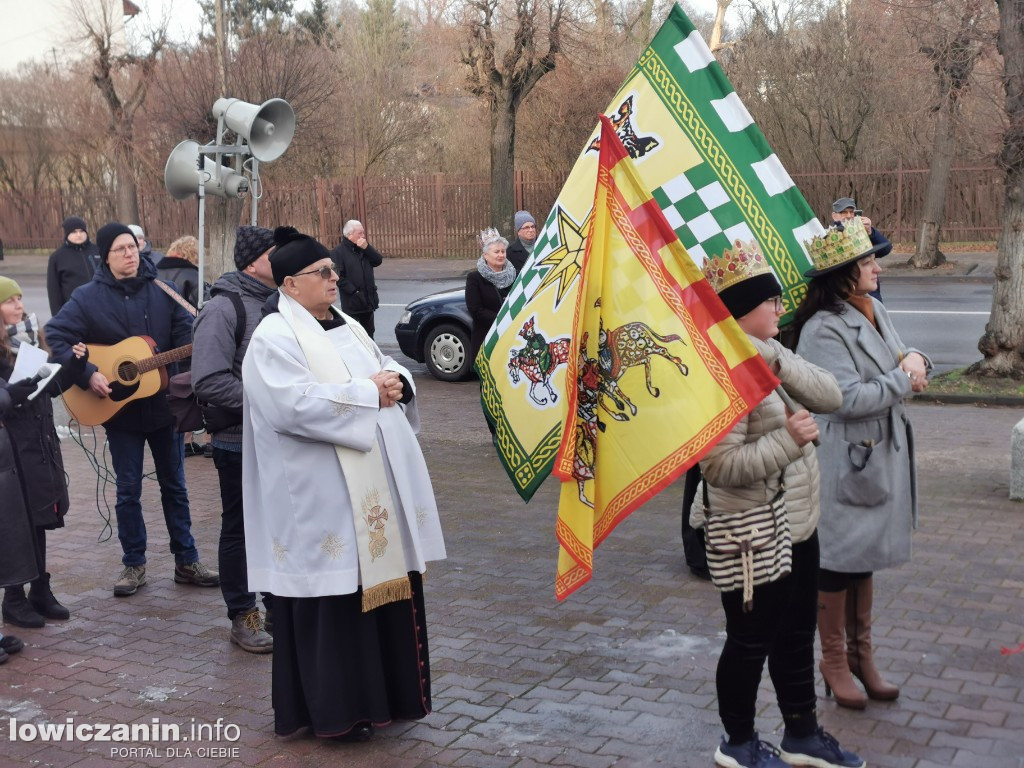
{"type": "Point", "coordinates": [621, 674]}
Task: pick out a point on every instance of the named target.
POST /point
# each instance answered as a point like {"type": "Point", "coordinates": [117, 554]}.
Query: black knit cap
{"type": "Point", "coordinates": [744, 296]}
{"type": "Point", "coordinates": [71, 223]}
{"type": "Point", "coordinates": [250, 244]}
{"type": "Point", "coordinates": [107, 234]}
{"type": "Point", "coordinates": [294, 252]}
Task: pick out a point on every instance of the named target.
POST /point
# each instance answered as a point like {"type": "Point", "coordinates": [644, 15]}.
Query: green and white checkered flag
{"type": "Point", "coordinates": [709, 168]}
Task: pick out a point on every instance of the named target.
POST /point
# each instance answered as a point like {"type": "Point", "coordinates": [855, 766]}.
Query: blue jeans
{"type": "Point", "coordinates": [168, 449]}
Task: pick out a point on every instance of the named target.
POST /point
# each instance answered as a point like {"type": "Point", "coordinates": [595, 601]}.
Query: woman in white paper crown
{"type": "Point", "coordinates": [486, 289]}
{"type": "Point", "coordinates": [771, 603]}
{"type": "Point", "coordinates": [36, 447]}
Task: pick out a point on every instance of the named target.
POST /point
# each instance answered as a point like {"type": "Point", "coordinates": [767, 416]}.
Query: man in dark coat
{"type": "Point", "coordinates": [521, 247]}
{"type": "Point", "coordinates": [71, 265]}
{"type": "Point", "coordinates": [354, 259]}
{"type": "Point", "coordinates": [124, 300]}
{"type": "Point", "coordinates": [218, 348]}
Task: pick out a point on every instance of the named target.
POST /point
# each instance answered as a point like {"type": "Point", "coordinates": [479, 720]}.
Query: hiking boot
{"type": "Point", "coordinates": [750, 754]}
{"type": "Point", "coordinates": [249, 633]}
{"type": "Point", "coordinates": [17, 610]}
{"type": "Point", "coordinates": [131, 578]}
{"type": "Point", "coordinates": [820, 750]}
{"type": "Point", "coordinates": [195, 573]}
{"type": "Point", "coordinates": [43, 600]}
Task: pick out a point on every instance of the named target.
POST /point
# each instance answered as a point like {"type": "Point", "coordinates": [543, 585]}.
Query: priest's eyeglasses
{"type": "Point", "coordinates": [324, 272]}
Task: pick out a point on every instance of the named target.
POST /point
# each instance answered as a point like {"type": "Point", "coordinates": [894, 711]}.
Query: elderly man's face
{"type": "Point", "coordinates": [844, 215]}
{"type": "Point", "coordinates": [528, 231]}
{"type": "Point", "coordinates": [314, 291]}
{"type": "Point", "coordinates": [357, 233]}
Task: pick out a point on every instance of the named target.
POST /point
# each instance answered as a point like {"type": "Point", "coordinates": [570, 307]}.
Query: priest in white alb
{"type": "Point", "coordinates": [340, 517]}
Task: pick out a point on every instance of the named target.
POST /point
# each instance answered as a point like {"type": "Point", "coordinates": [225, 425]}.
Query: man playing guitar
{"type": "Point", "coordinates": [123, 300]}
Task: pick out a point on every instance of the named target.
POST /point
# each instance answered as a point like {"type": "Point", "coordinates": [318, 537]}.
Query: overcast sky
{"type": "Point", "coordinates": [41, 28]}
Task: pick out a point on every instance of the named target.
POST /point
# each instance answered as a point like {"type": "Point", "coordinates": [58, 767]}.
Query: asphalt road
{"type": "Point", "coordinates": [943, 318]}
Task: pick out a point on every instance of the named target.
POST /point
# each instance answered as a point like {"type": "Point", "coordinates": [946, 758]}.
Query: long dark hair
{"type": "Point", "coordinates": [826, 293]}
{"type": "Point", "coordinates": [6, 351]}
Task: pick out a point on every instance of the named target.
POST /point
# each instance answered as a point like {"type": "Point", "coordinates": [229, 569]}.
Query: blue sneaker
{"type": "Point", "coordinates": [750, 754]}
{"type": "Point", "coordinates": [820, 750]}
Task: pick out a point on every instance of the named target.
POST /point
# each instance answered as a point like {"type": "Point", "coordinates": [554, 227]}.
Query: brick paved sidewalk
{"type": "Point", "coordinates": [622, 674]}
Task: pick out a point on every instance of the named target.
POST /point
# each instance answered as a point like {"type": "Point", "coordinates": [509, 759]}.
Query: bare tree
{"type": "Point", "coordinates": [807, 81]}
{"type": "Point", "coordinates": [953, 54]}
{"type": "Point", "coordinates": [1002, 344]}
{"type": "Point", "coordinates": [505, 79]}
{"type": "Point", "coordinates": [122, 77]}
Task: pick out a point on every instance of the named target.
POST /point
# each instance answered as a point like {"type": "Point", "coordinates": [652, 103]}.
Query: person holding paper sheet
{"type": "Point", "coordinates": [30, 426]}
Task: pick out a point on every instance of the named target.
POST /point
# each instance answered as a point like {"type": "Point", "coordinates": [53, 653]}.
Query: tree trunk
{"type": "Point", "coordinates": [716, 29]}
{"type": "Point", "coordinates": [127, 191]}
{"type": "Point", "coordinates": [1003, 340]}
{"type": "Point", "coordinates": [1002, 344]}
{"type": "Point", "coordinates": [927, 255]}
{"type": "Point", "coordinates": [503, 162]}
{"type": "Point", "coordinates": [222, 217]}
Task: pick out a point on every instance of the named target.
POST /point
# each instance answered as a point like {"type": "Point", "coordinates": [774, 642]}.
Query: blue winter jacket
{"type": "Point", "coordinates": [108, 311]}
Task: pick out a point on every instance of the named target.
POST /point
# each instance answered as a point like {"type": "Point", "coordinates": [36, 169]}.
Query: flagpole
{"type": "Point", "coordinates": [791, 404]}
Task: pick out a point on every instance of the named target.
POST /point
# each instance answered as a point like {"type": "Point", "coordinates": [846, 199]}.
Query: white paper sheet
{"type": "Point", "coordinates": [26, 365]}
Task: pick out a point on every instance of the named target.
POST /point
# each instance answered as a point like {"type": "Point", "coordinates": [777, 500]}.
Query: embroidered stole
{"type": "Point", "coordinates": [382, 568]}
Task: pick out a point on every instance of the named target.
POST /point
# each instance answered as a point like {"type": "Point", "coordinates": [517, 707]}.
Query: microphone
{"type": "Point", "coordinates": [43, 373]}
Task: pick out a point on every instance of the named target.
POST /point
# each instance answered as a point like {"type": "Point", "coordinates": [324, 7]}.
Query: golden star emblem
{"type": "Point", "coordinates": [565, 261]}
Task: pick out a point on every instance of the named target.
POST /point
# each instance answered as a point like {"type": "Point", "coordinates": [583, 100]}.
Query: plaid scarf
{"type": "Point", "coordinates": [25, 331]}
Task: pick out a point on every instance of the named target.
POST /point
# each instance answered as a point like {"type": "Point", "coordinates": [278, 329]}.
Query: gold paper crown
{"type": "Point", "coordinates": [837, 247]}
{"type": "Point", "coordinates": [736, 265]}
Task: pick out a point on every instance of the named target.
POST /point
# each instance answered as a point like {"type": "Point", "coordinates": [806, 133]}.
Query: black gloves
{"type": "Point", "coordinates": [19, 391]}
{"type": "Point", "coordinates": [76, 365]}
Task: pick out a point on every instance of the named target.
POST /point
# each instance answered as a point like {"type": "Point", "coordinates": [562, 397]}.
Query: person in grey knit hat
{"type": "Point", "coordinates": [521, 247]}
{"type": "Point", "coordinates": [220, 337]}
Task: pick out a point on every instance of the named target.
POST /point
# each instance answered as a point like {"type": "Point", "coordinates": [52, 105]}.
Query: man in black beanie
{"type": "Point", "coordinates": [220, 337]}
{"type": "Point", "coordinates": [72, 264]}
{"type": "Point", "coordinates": [124, 300]}
{"type": "Point", "coordinates": [340, 515]}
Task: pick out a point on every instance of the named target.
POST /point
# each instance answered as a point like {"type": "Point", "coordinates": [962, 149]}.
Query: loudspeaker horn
{"type": "Point", "coordinates": [181, 175]}
{"type": "Point", "coordinates": [268, 128]}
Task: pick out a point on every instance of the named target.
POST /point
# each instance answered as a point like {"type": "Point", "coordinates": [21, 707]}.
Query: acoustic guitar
{"type": "Point", "coordinates": [134, 370]}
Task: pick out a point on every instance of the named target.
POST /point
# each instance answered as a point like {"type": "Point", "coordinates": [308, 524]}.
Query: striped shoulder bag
{"type": "Point", "coordinates": [751, 547]}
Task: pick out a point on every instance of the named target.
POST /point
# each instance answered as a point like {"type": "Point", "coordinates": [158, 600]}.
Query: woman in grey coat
{"type": "Point", "coordinates": [868, 480]}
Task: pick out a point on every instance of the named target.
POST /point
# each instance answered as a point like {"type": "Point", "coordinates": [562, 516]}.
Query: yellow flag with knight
{"type": "Point", "coordinates": [706, 166]}
{"type": "Point", "coordinates": [661, 369]}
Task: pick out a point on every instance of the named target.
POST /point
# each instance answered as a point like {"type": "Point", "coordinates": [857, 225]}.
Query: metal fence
{"type": "Point", "coordinates": [440, 214]}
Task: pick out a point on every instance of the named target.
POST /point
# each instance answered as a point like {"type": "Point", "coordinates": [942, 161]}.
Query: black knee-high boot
{"type": "Point", "coordinates": [39, 594]}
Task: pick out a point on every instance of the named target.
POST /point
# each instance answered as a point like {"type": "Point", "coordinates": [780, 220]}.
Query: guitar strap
{"type": "Point", "coordinates": [176, 296]}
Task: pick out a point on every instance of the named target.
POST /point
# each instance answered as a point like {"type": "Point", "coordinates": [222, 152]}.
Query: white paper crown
{"type": "Point", "coordinates": [488, 236]}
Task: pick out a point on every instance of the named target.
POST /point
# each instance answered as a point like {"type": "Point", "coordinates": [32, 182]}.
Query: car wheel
{"type": "Point", "coordinates": [446, 353]}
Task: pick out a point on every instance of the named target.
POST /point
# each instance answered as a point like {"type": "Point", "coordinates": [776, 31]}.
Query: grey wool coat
{"type": "Point", "coordinates": [868, 477]}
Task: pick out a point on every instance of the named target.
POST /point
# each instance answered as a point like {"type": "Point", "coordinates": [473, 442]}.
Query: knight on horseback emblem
{"type": "Point", "coordinates": [537, 361]}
